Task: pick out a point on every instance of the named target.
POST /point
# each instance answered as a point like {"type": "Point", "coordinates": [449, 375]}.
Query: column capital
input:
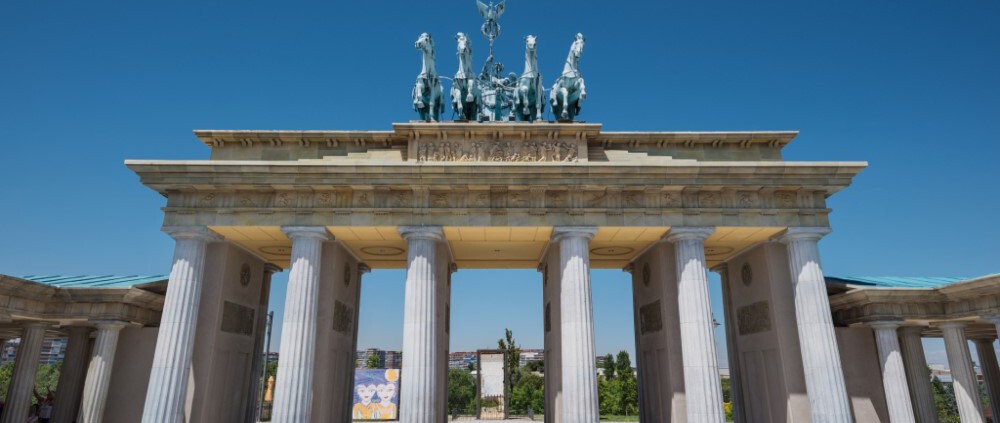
{"type": "Point", "coordinates": [191, 232]}
{"type": "Point", "coordinates": [561, 232]}
{"type": "Point", "coordinates": [363, 268]}
{"type": "Point", "coordinates": [270, 269]}
{"type": "Point", "coordinates": [886, 324]}
{"type": "Point", "coordinates": [950, 325]}
{"type": "Point", "coordinates": [806, 233]}
{"type": "Point", "coordinates": [27, 324]}
{"type": "Point", "coordinates": [109, 324]}
{"type": "Point", "coordinates": [907, 330]}
{"type": "Point", "coordinates": [433, 233]}
{"type": "Point", "coordinates": [305, 232]}
{"type": "Point", "coordinates": [683, 233]}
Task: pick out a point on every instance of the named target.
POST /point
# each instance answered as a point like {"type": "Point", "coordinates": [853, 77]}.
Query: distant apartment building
{"type": "Point", "coordinates": [531, 355]}
{"type": "Point", "coordinates": [53, 351]}
{"type": "Point", "coordinates": [461, 359]}
{"type": "Point", "coordinates": [386, 359]}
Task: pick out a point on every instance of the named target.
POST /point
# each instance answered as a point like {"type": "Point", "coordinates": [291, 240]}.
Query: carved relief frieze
{"type": "Point", "coordinates": [555, 199]}
{"type": "Point", "coordinates": [518, 199]}
{"type": "Point", "coordinates": [632, 199]}
{"type": "Point", "coordinates": [596, 198]}
{"type": "Point", "coordinates": [786, 199]}
{"type": "Point", "coordinates": [709, 199]}
{"type": "Point", "coordinates": [497, 151]}
{"type": "Point", "coordinates": [671, 199]}
{"type": "Point", "coordinates": [746, 199]}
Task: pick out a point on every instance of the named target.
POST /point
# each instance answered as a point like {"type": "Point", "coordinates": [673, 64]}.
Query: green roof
{"type": "Point", "coordinates": [92, 281]}
{"type": "Point", "coordinates": [896, 281]}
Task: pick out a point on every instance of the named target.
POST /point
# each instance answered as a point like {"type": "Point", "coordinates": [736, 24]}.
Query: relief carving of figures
{"type": "Point", "coordinates": [503, 151]}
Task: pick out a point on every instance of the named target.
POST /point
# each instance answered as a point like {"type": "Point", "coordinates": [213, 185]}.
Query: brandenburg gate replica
{"type": "Point", "coordinates": [501, 187]}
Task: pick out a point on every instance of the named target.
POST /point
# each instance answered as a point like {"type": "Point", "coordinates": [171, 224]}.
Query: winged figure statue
{"type": "Point", "coordinates": [491, 12]}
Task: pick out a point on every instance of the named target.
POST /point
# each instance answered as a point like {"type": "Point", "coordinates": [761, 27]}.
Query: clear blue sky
{"type": "Point", "coordinates": [911, 87]}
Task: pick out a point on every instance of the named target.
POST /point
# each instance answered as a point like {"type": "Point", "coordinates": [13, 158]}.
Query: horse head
{"type": "Point", "coordinates": [577, 49]}
{"type": "Point", "coordinates": [425, 43]}
{"type": "Point", "coordinates": [464, 44]}
{"type": "Point", "coordinates": [529, 43]}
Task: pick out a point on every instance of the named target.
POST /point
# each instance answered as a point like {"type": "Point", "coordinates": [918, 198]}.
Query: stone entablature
{"type": "Point", "coordinates": [23, 299]}
{"type": "Point", "coordinates": [971, 299]}
{"type": "Point", "coordinates": [506, 142]}
{"type": "Point", "coordinates": [714, 194]}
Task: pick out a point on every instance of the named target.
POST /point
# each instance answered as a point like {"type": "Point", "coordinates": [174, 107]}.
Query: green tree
{"type": "Point", "coordinates": [372, 362]}
{"type": "Point", "coordinates": [609, 367]}
{"type": "Point", "coordinates": [535, 366]}
{"type": "Point", "coordinates": [6, 372]}
{"type": "Point", "coordinates": [461, 391]}
{"type": "Point", "coordinates": [623, 364]}
{"type": "Point", "coordinates": [513, 353]}
{"type": "Point", "coordinates": [47, 377]}
{"type": "Point", "coordinates": [619, 396]}
{"type": "Point", "coordinates": [944, 401]}
{"type": "Point", "coordinates": [529, 392]}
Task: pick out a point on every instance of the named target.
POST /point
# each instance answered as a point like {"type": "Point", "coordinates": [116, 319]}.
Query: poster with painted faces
{"type": "Point", "coordinates": [375, 394]}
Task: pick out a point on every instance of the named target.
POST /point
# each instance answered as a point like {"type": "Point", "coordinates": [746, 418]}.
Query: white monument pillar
{"type": "Point", "coordinates": [417, 402]}
{"type": "Point", "coordinates": [828, 402]}
{"type": "Point", "coordinates": [917, 374]}
{"type": "Point", "coordinates": [702, 385]}
{"type": "Point", "coordinates": [72, 375]}
{"type": "Point", "coordinates": [95, 390]}
{"type": "Point", "coordinates": [579, 367]}
{"type": "Point", "coordinates": [293, 394]}
{"type": "Point", "coordinates": [22, 381]}
{"type": "Point", "coordinates": [991, 371]}
{"type": "Point", "coordinates": [168, 378]}
{"type": "Point", "coordinates": [963, 375]}
{"type": "Point", "coordinates": [897, 394]}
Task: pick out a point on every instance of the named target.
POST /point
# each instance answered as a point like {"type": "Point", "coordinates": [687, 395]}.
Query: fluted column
{"type": "Point", "coordinates": [579, 377]}
{"type": "Point", "coordinates": [22, 381]}
{"type": "Point", "coordinates": [917, 374]}
{"type": "Point", "coordinates": [702, 385]}
{"type": "Point", "coordinates": [72, 374]}
{"type": "Point", "coordinates": [420, 347]}
{"type": "Point", "coordinates": [168, 377]}
{"type": "Point", "coordinates": [828, 402]}
{"type": "Point", "coordinates": [897, 394]}
{"type": "Point", "coordinates": [95, 390]}
{"type": "Point", "coordinates": [293, 394]}
{"type": "Point", "coordinates": [963, 376]}
{"type": "Point", "coordinates": [732, 346]}
{"type": "Point", "coordinates": [991, 371]}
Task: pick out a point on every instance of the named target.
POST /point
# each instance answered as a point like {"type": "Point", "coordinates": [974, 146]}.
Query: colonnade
{"type": "Point", "coordinates": [906, 377]}
{"type": "Point", "coordinates": [83, 379]}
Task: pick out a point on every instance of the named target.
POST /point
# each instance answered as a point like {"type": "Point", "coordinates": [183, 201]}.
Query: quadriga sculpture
{"type": "Point", "coordinates": [427, 92]}
{"type": "Point", "coordinates": [569, 90]}
{"type": "Point", "coordinates": [528, 99]}
{"type": "Point", "coordinates": [465, 93]}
